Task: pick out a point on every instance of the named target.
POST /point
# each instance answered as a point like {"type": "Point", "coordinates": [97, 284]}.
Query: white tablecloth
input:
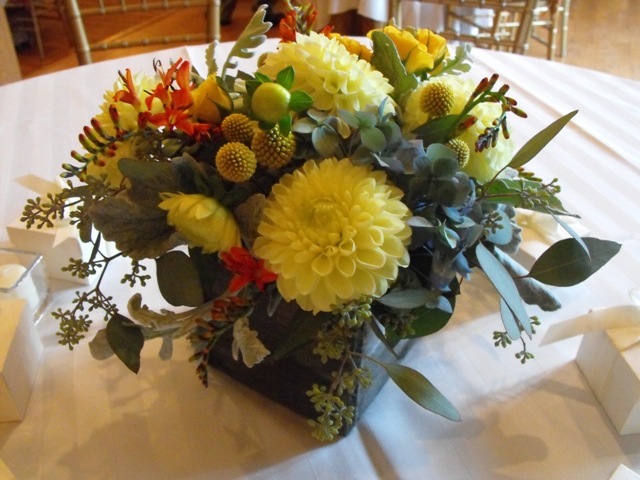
{"type": "Point", "coordinates": [89, 419]}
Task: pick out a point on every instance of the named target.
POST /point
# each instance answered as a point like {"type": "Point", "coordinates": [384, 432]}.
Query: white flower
{"type": "Point", "coordinates": [333, 77]}
{"type": "Point", "coordinates": [246, 341]}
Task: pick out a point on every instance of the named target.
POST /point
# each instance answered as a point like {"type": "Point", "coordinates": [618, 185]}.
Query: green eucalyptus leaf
{"type": "Point", "coordinates": [286, 77]}
{"type": "Point", "coordinates": [571, 232]}
{"type": "Point", "coordinates": [373, 139]}
{"type": "Point", "coordinates": [430, 320]}
{"type": "Point", "coordinates": [504, 284]}
{"type": "Point", "coordinates": [509, 321]}
{"type": "Point", "coordinates": [530, 149]}
{"type": "Point", "coordinates": [421, 390]}
{"type": "Point", "coordinates": [509, 192]}
{"type": "Point", "coordinates": [375, 328]}
{"type": "Point", "coordinates": [178, 279]}
{"type": "Point", "coordinates": [565, 263]}
{"type": "Point", "coordinates": [406, 298]}
{"type": "Point", "coordinates": [126, 340]}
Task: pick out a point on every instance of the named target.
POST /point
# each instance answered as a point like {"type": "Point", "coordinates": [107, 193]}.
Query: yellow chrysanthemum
{"type": "Point", "coordinates": [202, 220]}
{"type": "Point", "coordinates": [484, 165]}
{"type": "Point", "coordinates": [106, 165]}
{"type": "Point", "coordinates": [333, 77]}
{"type": "Point", "coordinates": [333, 232]}
{"type": "Point", "coordinates": [128, 114]}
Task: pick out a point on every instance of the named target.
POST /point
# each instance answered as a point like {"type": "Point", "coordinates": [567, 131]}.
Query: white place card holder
{"type": "Point", "coordinates": [20, 352]}
{"type": "Point", "coordinates": [58, 244]}
{"type": "Point", "coordinates": [23, 275]}
{"type": "Point", "coordinates": [624, 473]}
{"type": "Point", "coordinates": [609, 358]}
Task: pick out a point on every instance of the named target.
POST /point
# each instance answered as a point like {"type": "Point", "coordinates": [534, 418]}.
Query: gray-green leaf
{"type": "Point", "coordinates": [421, 391]}
{"type": "Point", "coordinates": [126, 341]}
{"type": "Point", "coordinates": [178, 279]}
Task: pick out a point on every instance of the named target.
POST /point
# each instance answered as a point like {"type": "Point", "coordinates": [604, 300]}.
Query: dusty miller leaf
{"type": "Point", "coordinates": [251, 38]}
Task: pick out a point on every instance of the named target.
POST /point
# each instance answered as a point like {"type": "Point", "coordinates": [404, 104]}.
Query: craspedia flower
{"type": "Point", "coordinates": [414, 116]}
{"type": "Point", "coordinates": [202, 220]}
{"type": "Point", "coordinates": [333, 77]}
{"type": "Point", "coordinates": [236, 162]}
{"type": "Point", "coordinates": [437, 99]}
{"type": "Point", "coordinates": [272, 149]}
{"type": "Point", "coordinates": [237, 128]}
{"type": "Point", "coordinates": [461, 149]}
{"type": "Point", "coordinates": [333, 232]}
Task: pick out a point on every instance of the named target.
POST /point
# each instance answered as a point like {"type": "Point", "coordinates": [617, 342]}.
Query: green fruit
{"type": "Point", "coordinates": [270, 102]}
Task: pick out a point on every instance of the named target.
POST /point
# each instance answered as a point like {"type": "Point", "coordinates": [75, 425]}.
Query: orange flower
{"type": "Point", "coordinates": [246, 269]}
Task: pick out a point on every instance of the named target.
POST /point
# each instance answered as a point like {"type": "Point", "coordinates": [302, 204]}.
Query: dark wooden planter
{"type": "Point", "coordinates": [287, 380]}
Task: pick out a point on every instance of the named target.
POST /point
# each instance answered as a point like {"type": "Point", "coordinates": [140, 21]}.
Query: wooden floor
{"type": "Point", "coordinates": [602, 36]}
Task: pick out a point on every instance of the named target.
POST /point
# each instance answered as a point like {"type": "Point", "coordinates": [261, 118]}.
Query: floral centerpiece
{"type": "Point", "coordinates": [356, 185]}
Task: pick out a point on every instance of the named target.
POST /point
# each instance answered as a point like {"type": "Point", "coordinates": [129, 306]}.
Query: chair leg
{"type": "Point", "coordinates": [565, 28]}
{"type": "Point", "coordinates": [36, 29]}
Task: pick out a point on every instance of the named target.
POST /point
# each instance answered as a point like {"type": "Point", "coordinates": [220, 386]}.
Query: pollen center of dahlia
{"type": "Point", "coordinates": [324, 222]}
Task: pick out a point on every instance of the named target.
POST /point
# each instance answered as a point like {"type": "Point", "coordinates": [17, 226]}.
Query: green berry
{"type": "Point", "coordinates": [270, 102]}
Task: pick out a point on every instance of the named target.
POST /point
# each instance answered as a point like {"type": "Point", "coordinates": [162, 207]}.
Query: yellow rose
{"type": "Point", "coordinates": [202, 220]}
{"type": "Point", "coordinates": [353, 46]}
{"type": "Point", "coordinates": [206, 98]}
{"type": "Point", "coordinates": [419, 50]}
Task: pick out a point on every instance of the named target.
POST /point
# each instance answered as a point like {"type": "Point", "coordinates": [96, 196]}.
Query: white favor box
{"type": "Point", "coordinates": [20, 352]}
{"type": "Point", "coordinates": [610, 361]}
{"type": "Point", "coordinates": [57, 245]}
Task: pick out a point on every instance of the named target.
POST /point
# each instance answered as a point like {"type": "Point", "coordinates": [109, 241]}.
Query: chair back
{"type": "Point", "coordinates": [495, 24]}
{"type": "Point", "coordinates": [113, 10]}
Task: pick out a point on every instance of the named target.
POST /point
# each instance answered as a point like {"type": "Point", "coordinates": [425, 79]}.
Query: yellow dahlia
{"type": "Point", "coordinates": [202, 220]}
{"type": "Point", "coordinates": [333, 77]}
{"type": "Point", "coordinates": [128, 114]}
{"type": "Point", "coordinates": [333, 232]}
